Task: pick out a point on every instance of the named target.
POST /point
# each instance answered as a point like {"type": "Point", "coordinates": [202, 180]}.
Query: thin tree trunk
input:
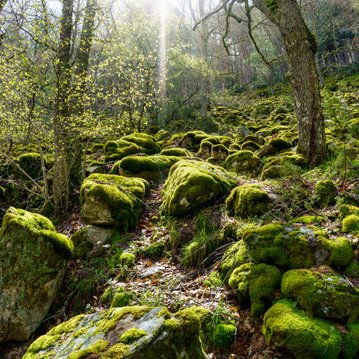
{"type": "Point", "coordinates": [300, 46]}
{"type": "Point", "coordinates": [61, 186]}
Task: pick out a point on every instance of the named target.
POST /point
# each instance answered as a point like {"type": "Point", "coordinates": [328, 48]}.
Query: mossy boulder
{"type": "Point", "coordinates": [111, 200]}
{"type": "Point", "coordinates": [322, 293]}
{"type": "Point", "coordinates": [33, 257]}
{"type": "Point", "coordinates": [219, 152]}
{"type": "Point", "coordinates": [145, 141]}
{"type": "Point", "coordinates": [176, 151]}
{"type": "Point", "coordinates": [192, 140]}
{"type": "Point", "coordinates": [233, 257]}
{"type": "Point", "coordinates": [257, 283]}
{"type": "Point", "coordinates": [347, 209]}
{"type": "Point", "coordinates": [297, 247]}
{"type": "Point", "coordinates": [250, 146]}
{"type": "Point", "coordinates": [31, 164]}
{"type": "Point", "coordinates": [325, 192]}
{"type": "Point", "coordinates": [127, 332]}
{"type": "Point", "coordinates": [351, 224]}
{"type": "Point", "coordinates": [283, 165]}
{"type": "Point", "coordinates": [247, 201]}
{"type": "Point", "coordinates": [193, 184]}
{"type": "Point", "coordinates": [153, 167]}
{"type": "Point", "coordinates": [351, 341]}
{"type": "Point", "coordinates": [242, 162]}
{"type": "Point", "coordinates": [273, 147]}
{"type": "Point", "coordinates": [205, 149]}
{"type": "Point", "coordinates": [305, 337]}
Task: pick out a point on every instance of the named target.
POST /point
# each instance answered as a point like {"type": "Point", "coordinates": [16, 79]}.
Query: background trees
{"type": "Point", "coordinates": [97, 71]}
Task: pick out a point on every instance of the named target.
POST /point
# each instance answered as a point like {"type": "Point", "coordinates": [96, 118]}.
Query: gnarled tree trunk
{"type": "Point", "coordinates": [300, 46]}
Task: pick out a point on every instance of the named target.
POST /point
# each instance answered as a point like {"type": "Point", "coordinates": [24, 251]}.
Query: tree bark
{"type": "Point", "coordinates": [62, 156]}
{"type": "Point", "coordinates": [300, 46]}
{"type": "Point", "coordinates": [83, 56]}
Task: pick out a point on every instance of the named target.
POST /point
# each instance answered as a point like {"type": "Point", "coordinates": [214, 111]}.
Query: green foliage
{"type": "Point", "coordinates": [351, 223]}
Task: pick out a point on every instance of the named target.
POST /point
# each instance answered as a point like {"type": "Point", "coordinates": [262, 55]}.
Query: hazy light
{"type": "Point", "coordinates": [163, 10]}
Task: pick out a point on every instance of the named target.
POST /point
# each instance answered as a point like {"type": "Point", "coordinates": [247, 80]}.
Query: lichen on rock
{"type": "Point", "coordinates": [33, 257]}
{"type": "Point", "coordinates": [111, 200]}
{"type": "Point", "coordinates": [121, 333]}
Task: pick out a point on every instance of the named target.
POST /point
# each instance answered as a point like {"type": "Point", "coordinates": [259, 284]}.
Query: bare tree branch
{"type": "Point", "coordinates": [216, 11]}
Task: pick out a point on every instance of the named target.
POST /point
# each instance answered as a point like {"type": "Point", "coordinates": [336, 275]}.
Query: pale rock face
{"type": "Point", "coordinates": [33, 258]}
{"type": "Point", "coordinates": [127, 332]}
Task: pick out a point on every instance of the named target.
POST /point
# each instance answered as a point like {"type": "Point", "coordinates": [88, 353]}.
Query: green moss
{"type": "Point", "coordinates": [121, 299]}
{"type": "Point", "coordinates": [244, 162]}
{"type": "Point", "coordinates": [219, 152]}
{"type": "Point", "coordinates": [154, 250]}
{"type": "Point", "coordinates": [110, 146]}
{"type": "Point", "coordinates": [322, 294]}
{"type": "Point", "coordinates": [99, 347]}
{"type": "Point", "coordinates": [31, 164]}
{"type": "Point", "coordinates": [256, 282]}
{"type": "Point", "coordinates": [307, 219]}
{"type": "Point", "coordinates": [250, 146]}
{"type": "Point", "coordinates": [224, 335]}
{"type": "Point", "coordinates": [117, 351]}
{"type": "Point", "coordinates": [235, 255]}
{"type": "Point", "coordinates": [341, 252]}
{"type": "Point", "coordinates": [66, 327]}
{"type": "Point", "coordinates": [190, 319]}
{"type": "Point", "coordinates": [352, 270]}
{"type": "Point", "coordinates": [193, 184]}
{"type": "Point", "coordinates": [127, 259]}
{"type": "Point", "coordinates": [290, 247]}
{"type": "Point", "coordinates": [274, 146]}
{"type": "Point", "coordinates": [247, 201]}
{"type": "Point", "coordinates": [351, 342]}
{"type": "Point", "coordinates": [346, 210]}
{"type": "Point", "coordinates": [213, 280]}
{"type": "Point", "coordinates": [38, 225]}
{"type": "Point", "coordinates": [176, 151]}
{"type": "Point", "coordinates": [325, 192]}
{"type": "Point", "coordinates": [205, 149]}
{"type": "Point", "coordinates": [351, 224]}
{"type": "Point", "coordinates": [112, 200]}
{"type": "Point", "coordinates": [148, 167]}
{"type": "Point", "coordinates": [42, 343]}
{"type": "Point", "coordinates": [305, 337]}
{"type": "Point", "coordinates": [113, 315]}
{"type": "Point", "coordinates": [191, 140]}
{"type": "Point", "coordinates": [132, 335]}
{"type": "Point", "coordinates": [143, 140]}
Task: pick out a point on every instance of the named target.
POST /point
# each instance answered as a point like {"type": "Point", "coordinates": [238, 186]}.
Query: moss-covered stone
{"type": "Point", "coordinates": [192, 140]}
{"type": "Point", "coordinates": [351, 224]}
{"type": "Point", "coordinates": [242, 162]}
{"type": "Point", "coordinates": [33, 257]}
{"type": "Point", "coordinates": [124, 333]}
{"type": "Point", "coordinates": [121, 299]}
{"type": "Point", "coordinates": [351, 342]}
{"type": "Point", "coordinates": [324, 293]}
{"type": "Point", "coordinates": [307, 219]}
{"type": "Point", "coordinates": [250, 146]}
{"type": "Point", "coordinates": [224, 335]}
{"type": "Point", "coordinates": [111, 200]}
{"type": "Point", "coordinates": [274, 146]}
{"type": "Point", "coordinates": [352, 270]}
{"type": "Point", "coordinates": [147, 142]}
{"type": "Point", "coordinates": [325, 192]}
{"type": "Point", "coordinates": [31, 164]}
{"type": "Point", "coordinates": [219, 152]}
{"type": "Point", "coordinates": [176, 151]}
{"type": "Point", "coordinates": [234, 256]}
{"type": "Point", "coordinates": [291, 247]}
{"type": "Point", "coordinates": [193, 184]}
{"type": "Point", "coordinates": [205, 149]}
{"type": "Point", "coordinates": [346, 210]}
{"type": "Point", "coordinates": [305, 337]}
{"type": "Point", "coordinates": [257, 283]}
{"type": "Point", "coordinates": [148, 167]}
{"type": "Point", "coordinates": [247, 201]}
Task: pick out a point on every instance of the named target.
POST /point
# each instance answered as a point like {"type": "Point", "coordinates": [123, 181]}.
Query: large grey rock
{"type": "Point", "coordinates": [32, 263]}
{"type": "Point", "coordinates": [127, 332]}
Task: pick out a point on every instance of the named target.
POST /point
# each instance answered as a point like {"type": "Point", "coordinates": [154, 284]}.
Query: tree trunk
{"type": "Point", "coordinates": [300, 46]}
{"type": "Point", "coordinates": [83, 56]}
{"type": "Point", "coordinates": [62, 157]}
